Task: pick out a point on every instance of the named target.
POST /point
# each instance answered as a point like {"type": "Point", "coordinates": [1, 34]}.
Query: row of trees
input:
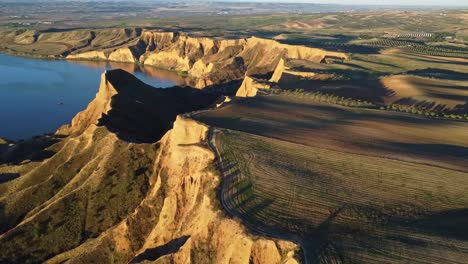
{"type": "Point", "coordinates": [420, 48]}
{"type": "Point", "coordinates": [340, 100]}
{"type": "Point", "coordinates": [424, 111]}
{"type": "Point", "coordinates": [325, 97]}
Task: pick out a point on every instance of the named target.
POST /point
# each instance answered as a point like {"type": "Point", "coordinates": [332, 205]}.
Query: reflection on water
{"type": "Point", "coordinates": [144, 73]}
{"type": "Point", "coordinates": [38, 96]}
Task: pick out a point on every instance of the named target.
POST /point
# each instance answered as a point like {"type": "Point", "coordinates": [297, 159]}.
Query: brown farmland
{"type": "Point", "coordinates": [351, 185]}
{"type": "Point", "coordinates": [378, 133]}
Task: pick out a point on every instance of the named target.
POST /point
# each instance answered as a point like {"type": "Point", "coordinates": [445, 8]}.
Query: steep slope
{"type": "Point", "coordinates": [250, 87]}
{"type": "Point", "coordinates": [207, 61]}
{"type": "Point", "coordinates": [152, 110]}
{"type": "Point", "coordinates": [110, 193]}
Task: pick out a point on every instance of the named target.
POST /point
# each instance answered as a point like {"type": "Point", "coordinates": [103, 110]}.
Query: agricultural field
{"type": "Point", "coordinates": [350, 184]}
{"type": "Point", "coordinates": [433, 93]}
{"type": "Point", "coordinates": [372, 132]}
{"type": "Point", "coordinates": [343, 207]}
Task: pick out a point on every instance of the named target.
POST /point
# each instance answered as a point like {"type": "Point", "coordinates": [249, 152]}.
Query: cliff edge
{"type": "Point", "coordinates": [111, 191]}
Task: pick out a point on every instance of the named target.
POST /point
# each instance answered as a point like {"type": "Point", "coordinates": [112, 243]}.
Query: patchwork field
{"type": "Point", "coordinates": [352, 185]}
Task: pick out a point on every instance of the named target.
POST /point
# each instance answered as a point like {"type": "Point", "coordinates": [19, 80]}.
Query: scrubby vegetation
{"type": "Point", "coordinates": [103, 195]}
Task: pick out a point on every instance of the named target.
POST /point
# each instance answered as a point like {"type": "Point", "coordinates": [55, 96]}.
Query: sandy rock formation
{"type": "Point", "coordinates": [90, 55]}
{"type": "Point", "coordinates": [250, 87]}
{"type": "Point", "coordinates": [216, 61]}
{"type": "Point", "coordinates": [157, 40]}
{"type": "Point", "coordinates": [189, 210]}
{"type": "Point", "coordinates": [200, 68]}
{"type": "Point", "coordinates": [171, 59]}
{"type": "Point", "coordinates": [124, 55]}
{"type": "Point", "coordinates": [189, 226]}
{"type": "Point", "coordinates": [107, 195]}
{"type": "Point", "coordinates": [211, 61]}
{"type": "Point", "coordinates": [207, 61]}
{"type": "Point", "coordinates": [280, 68]}
{"type": "Point", "coordinates": [120, 92]}
{"type": "Point", "coordinates": [100, 106]}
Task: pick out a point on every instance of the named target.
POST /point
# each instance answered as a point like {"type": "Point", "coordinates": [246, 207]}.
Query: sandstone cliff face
{"type": "Point", "coordinates": [187, 226]}
{"type": "Point", "coordinates": [100, 106]}
{"type": "Point", "coordinates": [107, 195]}
{"type": "Point", "coordinates": [206, 61]}
{"type": "Point", "coordinates": [90, 55]}
{"type": "Point", "coordinates": [209, 61]}
{"type": "Point", "coordinates": [279, 70]}
{"type": "Point", "coordinates": [124, 55]}
{"type": "Point", "coordinates": [250, 87]}
{"type": "Point", "coordinates": [191, 208]}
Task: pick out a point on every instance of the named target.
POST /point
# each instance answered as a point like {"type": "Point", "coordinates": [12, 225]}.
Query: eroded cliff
{"type": "Point", "coordinates": [207, 61]}
{"type": "Point", "coordinates": [110, 192]}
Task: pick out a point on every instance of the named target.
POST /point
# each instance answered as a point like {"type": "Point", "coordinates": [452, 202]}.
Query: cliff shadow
{"type": "Point", "coordinates": [6, 177]}
{"type": "Point", "coordinates": [141, 113]}
{"type": "Point", "coordinates": [449, 224]}
{"type": "Point", "coordinates": [35, 149]}
{"type": "Point", "coordinates": [153, 254]}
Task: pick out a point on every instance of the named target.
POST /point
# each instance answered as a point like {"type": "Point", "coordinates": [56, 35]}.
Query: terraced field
{"type": "Point", "coordinates": [351, 185]}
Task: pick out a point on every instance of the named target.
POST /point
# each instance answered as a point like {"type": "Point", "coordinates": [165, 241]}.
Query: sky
{"type": "Point", "coordinates": [373, 2]}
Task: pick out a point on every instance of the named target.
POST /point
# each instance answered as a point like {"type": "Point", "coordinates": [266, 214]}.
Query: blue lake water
{"type": "Point", "coordinates": [38, 96]}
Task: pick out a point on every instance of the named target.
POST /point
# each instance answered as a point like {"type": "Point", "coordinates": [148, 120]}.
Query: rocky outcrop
{"type": "Point", "coordinates": [201, 69]}
{"type": "Point", "coordinates": [217, 61]}
{"type": "Point", "coordinates": [207, 61]}
{"type": "Point", "coordinates": [124, 55]}
{"type": "Point", "coordinates": [120, 93]}
{"type": "Point", "coordinates": [111, 194]}
{"type": "Point", "coordinates": [279, 70]}
{"type": "Point", "coordinates": [90, 55]}
{"type": "Point", "coordinates": [191, 211]}
{"type": "Point", "coordinates": [250, 87]}
{"type": "Point", "coordinates": [189, 226]}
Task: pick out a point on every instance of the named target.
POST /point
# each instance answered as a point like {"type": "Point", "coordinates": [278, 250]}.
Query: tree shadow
{"type": "Point", "coordinates": [153, 254]}
{"type": "Point", "coordinates": [339, 45]}
{"type": "Point", "coordinates": [449, 224]}
{"type": "Point", "coordinates": [356, 87]}
{"type": "Point", "coordinates": [440, 74]}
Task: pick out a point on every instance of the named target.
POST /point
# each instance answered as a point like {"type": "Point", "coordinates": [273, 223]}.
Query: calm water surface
{"type": "Point", "coordinates": [38, 96]}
